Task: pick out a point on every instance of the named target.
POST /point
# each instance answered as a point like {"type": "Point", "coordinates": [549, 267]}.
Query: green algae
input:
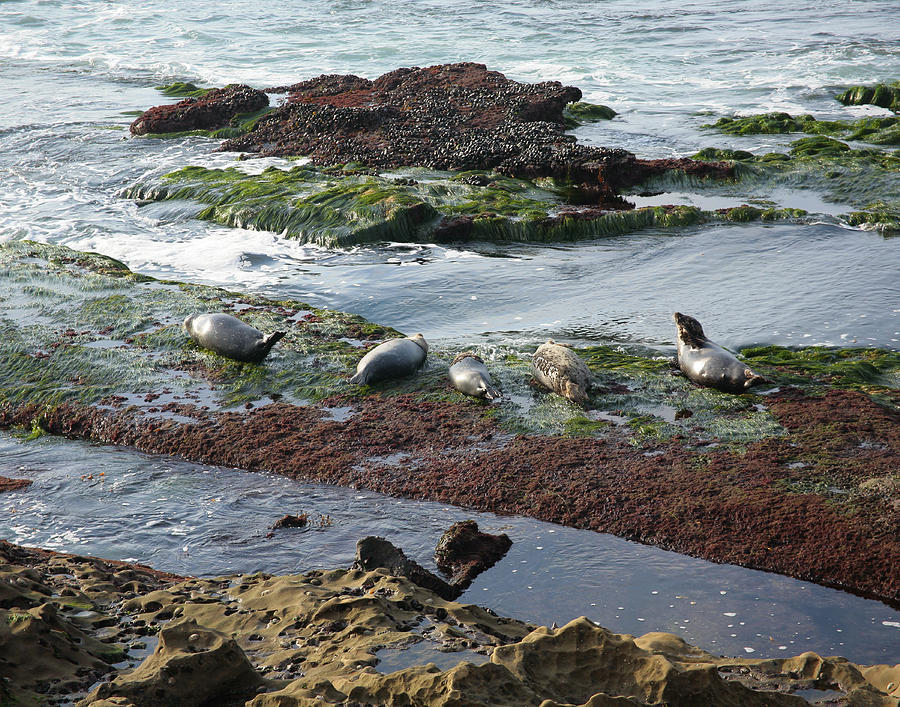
{"type": "Point", "coordinates": [855, 368]}
{"type": "Point", "coordinates": [182, 89]}
{"type": "Point", "coordinates": [339, 208]}
{"type": "Point", "coordinates": [79, 327]}
{"type": "Point", "coordinates": [884, 95]}
{"type": "Point", "coordinates": [877, 131]}
{"type": "Point", "coordinates": [867, 180]}
{"type": "Point", "coordinates": [581, 112]}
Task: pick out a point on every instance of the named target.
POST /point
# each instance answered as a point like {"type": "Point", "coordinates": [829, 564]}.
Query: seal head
{"type": "Point", "coordinates": [561, 370]}
{"type": "Point", "coordinates": [229, 336]}
{"type": "Point", "coordinates": [708, 364]}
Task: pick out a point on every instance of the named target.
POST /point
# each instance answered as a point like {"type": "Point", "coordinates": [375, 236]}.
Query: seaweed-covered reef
{"type": "Point", "coordinates": [111, 633]}
{"type": "Point", "coordinates": [458, 153]}
{"type": "Point", "coordinates": [781, 480]}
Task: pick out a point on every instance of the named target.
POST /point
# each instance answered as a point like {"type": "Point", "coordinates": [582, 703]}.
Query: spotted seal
{"type": "Point", "coordinates": [707, 363]}
{"type": "Point", "coordinates": [229, 336]}
{"type": "Point", "coordinates": [561, 370]}
{"type": "Point", "coordinates": [469, 375]}
{"type": "Point", "coordinates": [392, 359]}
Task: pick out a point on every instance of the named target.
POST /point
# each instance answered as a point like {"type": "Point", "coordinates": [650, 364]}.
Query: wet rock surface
{"type": "Point", "coordinates": [318, 637]}
{"type": "Point", "coordinates": [214, 109]}
{"type": "Point", "coordinates": [464, 552]}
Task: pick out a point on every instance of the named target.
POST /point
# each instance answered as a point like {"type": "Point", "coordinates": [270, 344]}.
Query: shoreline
{"type": "Point", "coordinates": [134, 636]}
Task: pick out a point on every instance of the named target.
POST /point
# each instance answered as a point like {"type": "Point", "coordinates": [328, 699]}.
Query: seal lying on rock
{"type": "Point", "coordinates": [708, 364]}
{"type": "Point", "coordinates": [229, 336]}
{"type": "Point", "coordinates": [392, 359]}
{"type": "Point", "coordinates": [561, 370]}
{"type": "Point", "coordinates": [469, 375]}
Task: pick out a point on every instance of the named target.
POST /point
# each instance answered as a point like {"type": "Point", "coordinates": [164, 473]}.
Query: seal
{"type": "Point", "coordinates": [229, 336]}
{"type": "Point", "coordinates": [392, 359]}
{"type": "Point", "coordinates": [469, 375]}
{"type": "Point", "coordinates": [561, 370]}
{"type": "Point", "coordinates": [707, 363]}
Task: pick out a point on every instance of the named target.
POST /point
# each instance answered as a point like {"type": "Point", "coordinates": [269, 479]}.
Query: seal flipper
{"type": "Point", "coordinates": [360, 378]}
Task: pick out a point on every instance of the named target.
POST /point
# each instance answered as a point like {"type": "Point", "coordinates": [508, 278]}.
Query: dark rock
{"type": "Point", "coordinates": [289, 521]}
{"type": "Point", "coordinates": [7, 484]}
{"type": "Point", "coordinates": [464, 552]}
{"type": "Point", "coordinates": [212, 110]}
{"type": "Point", "coordinates": [373, 552]}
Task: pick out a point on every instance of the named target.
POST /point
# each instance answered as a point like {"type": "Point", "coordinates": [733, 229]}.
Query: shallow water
{"type": "Point", "coordinates": [71, 71]}
{"type": "Point", "coordinates": [201, 520]}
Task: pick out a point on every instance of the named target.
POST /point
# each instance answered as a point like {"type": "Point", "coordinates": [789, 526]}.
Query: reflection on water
{"type": "Point", "coordinates": [201, 520]}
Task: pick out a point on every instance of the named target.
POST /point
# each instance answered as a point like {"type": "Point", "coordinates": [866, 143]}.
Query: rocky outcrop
{"type": "Point", "coordinates": [464, 552]}
{"type": "Point", "coordinates": [192, 666]}
{"type": "Point", "coordinates": [7, 484]}
{"type": "Point", "coordinates": [374, 553]}
{"type": "Point", "coordinates": [451, 116]}
{"type": "Point", "coordinates": [212, 110]}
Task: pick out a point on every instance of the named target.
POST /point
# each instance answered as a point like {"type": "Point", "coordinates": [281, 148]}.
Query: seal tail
{"type": "Point", "coordinates": [267, 342]}
{"type": "Point", "coordinates": [754, 379]}
{"type": "Point", "coordinates": [360, 378]}
{"type": "Point", "coordinates": [492, 393]}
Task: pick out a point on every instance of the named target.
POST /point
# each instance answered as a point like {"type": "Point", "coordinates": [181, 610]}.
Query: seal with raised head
{"type": "Point", "coordinates": [469, 375]}
{"type": "Point", "coordinates": [561, 370]}
{"type": "Point", "coordinates": [229, 336]}
{"type": "Point", "coordinates": [707, 363]}
{"type": "Point", "coordinates": [392, 359]}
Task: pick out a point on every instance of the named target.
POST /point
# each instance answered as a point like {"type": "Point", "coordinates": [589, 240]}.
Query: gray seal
{"type": "Point", "coordinates": [229, 336]}
{"type": "Point", "coordinates": [469, 375]}
{"type": "Point", "coordinates": [707, 363]}
{"type": "Point", "coordinates": [392, 359]}
{"type": "Point", "coordinates": [561, 370]}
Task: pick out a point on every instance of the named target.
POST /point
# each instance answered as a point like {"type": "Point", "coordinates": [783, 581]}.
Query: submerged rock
{"type": "Point", "coordinates": [7, 484]}
{"type": "Point", "coordinates": [464, 552]}
{"type": "Point", "coordinates": [291, 521]}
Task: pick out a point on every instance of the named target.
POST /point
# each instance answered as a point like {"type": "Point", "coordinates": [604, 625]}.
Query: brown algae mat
{"type": "Point", "coordinates": [108, 633]}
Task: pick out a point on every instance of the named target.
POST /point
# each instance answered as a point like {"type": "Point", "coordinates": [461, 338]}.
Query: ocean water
{"type": "Point", "coordinates": [72, 73]}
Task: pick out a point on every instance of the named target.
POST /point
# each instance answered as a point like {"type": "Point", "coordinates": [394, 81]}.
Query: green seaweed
{"type": "Point", "coordinates": [868, 179]}
{"type": "Point", "coordinates": [79, 327]}
{"type": "Point", "coordinates": [580, 112]}
{"type": "Point", "coordinates": [857, 368]}
{"type": "Point", "coordinates": [885, 95]}
{"type": "Point", "coordinates": [182, 89]}
{"type": "Point", "coordinates": [878, 131]}
{"type": "Point", "coordinates": [337, 209]}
